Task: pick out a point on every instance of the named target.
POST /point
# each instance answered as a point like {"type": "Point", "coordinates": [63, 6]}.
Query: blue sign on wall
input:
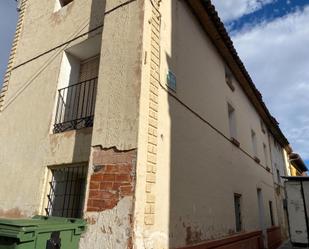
{"type": "Point", "coordinates": [171, 81]}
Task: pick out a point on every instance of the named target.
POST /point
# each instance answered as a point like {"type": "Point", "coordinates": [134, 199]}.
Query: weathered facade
{"type": "Point", "coordinates": [139, 116]}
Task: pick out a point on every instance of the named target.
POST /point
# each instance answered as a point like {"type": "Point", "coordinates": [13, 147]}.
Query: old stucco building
{"type": "Point", "coordinates": [139, 116]}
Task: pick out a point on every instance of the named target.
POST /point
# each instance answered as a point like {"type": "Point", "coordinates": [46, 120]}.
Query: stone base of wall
{"type": "Point", "coordinates": [274, 237]}
{"type": "Point", "coordinates": [252, 240]}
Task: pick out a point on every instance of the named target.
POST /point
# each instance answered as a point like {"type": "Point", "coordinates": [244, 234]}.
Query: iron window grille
{"type": "Point", "coordinates": [67, 191]}
{"type": "Point", "coordinates": [75, 106]}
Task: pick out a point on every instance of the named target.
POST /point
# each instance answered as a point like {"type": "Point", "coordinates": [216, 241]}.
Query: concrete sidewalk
{"type": "Point", "coordinates": [288, 245]}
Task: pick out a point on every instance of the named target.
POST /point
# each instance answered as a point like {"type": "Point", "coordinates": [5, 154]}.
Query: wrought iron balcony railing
{"type": "Point", "coordinates": [75, 106]}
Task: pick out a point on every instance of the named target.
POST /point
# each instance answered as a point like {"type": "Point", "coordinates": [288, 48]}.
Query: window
{"type": "Point", "coordinates": [278, 176]}
{"type": "Point", "coordinates": [271, 213]}
{"type": "Point", "coordinates": [64, 2]}
{"type": "Point", "coordinates": [275, 144]}
{"type": "Point", "coordinates": [254, 143]}
{"type": "Point", "coordinates": [67, 191]}
{"type": "Point", "coordinates": [263, 126]}
{"type": "Point", "coordinates": [237, 204]}
{"type": "Point", "coordinates": [76, 102]}
{"type": "Point", "coordinates": [265, 153]}
{"type": "Point", "coordinates": [229, 78]}
{"type": "Point", "coordinates": [61, 3]}
{"type": "Point", "coordinates": [232, 121]}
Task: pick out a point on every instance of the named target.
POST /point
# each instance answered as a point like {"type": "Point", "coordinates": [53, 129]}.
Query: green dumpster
{"type": "Point", "coordinates": [41, 232]}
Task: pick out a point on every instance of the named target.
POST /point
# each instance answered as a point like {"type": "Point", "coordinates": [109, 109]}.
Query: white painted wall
{"type": "Point", "coordinates": [296, 210]}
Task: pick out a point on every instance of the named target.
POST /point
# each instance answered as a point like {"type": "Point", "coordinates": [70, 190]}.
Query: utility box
{"type": "Point", "coordinates": [297, 193]}
{"type": "Point", "coordinates": [41, 232]}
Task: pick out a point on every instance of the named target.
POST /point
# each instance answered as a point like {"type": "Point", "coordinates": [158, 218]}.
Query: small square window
{"type": "Point", "coordinates": [278, 176]}
{"type": "Point", "coordinates": [263, 126]}
{"type": "Point", "coordinates": [67, 191]}
{"type": "Point", "coordinates": [254, 143]}
{"type": "Point", "coordinates": [229, 78]}
{"type": "Point", "coordinates": [65, 2]}
{"type": "Point", "coordinates": [265, 154]}
{"type": "Point", "coordinates": [232, 121]}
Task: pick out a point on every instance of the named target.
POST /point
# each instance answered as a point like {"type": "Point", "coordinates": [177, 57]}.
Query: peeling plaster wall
{"type": "Point", "coordinates": [27, 116]}
{"type": "Point", "coordinates": [109, 229]}
{"type": "Point", "coordinates": [115, 132]}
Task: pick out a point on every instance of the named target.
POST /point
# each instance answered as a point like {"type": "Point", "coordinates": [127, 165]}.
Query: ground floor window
{"type": "Point", "coordinates": [271, 213]}
{"type": "Point", "coordinates": [67, 191]}
{"type": "Point", "coordinates": [237, 203]}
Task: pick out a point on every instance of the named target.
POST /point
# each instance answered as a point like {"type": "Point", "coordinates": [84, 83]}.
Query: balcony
{"type": "Point", "coordinates": [75, 106]}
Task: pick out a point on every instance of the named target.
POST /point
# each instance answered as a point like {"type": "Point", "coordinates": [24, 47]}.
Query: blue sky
{"type": "Point", "coordinates": [8, 20]}
{"type": "Point", "coordinates": [272, 37]}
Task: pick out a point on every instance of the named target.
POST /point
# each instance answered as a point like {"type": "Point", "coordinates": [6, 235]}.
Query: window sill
{"type": "Point", "coordinates": [256, 159]}
{"type": "Point", "coordinates": [230, 84]}
{"type": "Point", "coordinates": [235, 142]}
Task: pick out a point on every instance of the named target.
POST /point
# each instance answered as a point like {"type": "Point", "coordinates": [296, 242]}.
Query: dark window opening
{"type": "Point", "coordinates": [65, 2]}
{"type": "Point", "coordinates": [278, 176]}
{"type": "Point", "coordinates": [232, 121]}
{"type": "Point", "coordinates": [229, 78]}
{"type": "Point", "coordinates": [271, 213]}
{"type": "Point", "coordinates": [67, 191]}
{"type": "Point", "coordinates": [237, 204]}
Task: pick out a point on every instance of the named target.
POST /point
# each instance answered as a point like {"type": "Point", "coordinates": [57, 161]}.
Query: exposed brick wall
{"type": "Point", "coordinates": [113, 178]}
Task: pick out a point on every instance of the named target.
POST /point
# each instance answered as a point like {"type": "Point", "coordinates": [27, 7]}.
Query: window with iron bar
{"type": "Point", "coordinates": [67, 191]}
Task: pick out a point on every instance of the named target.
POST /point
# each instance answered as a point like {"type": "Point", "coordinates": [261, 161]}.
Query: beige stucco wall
{"type": "Point", "coordinates": [198, 170]}
{"type": "Point", "coordinates": [27, 114]}
{"type": "Point", "coordinates": [28, 145]}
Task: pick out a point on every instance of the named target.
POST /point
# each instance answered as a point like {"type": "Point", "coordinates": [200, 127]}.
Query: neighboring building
{"type": "Point", "coordinates": [140, 117]}
{"type": "Point", "coordinates": [296, 165]}
{"type": "Point", "coordinates": [297, 191]}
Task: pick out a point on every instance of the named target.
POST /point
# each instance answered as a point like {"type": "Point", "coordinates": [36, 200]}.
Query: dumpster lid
{"type": "Point", "coordinates": [27, 229]}
{"type": "Point", "coordinates": [41, 220]}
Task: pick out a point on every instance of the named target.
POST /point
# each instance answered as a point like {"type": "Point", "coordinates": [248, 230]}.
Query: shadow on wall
{"type": "Point", "coordinates": [83, 137]}
{"type": "Point", "coordinates": [98, 9]}
{"type": "Point", "coordinates": [194, 203]}
{"type": "Point", "coordinates": [185, 175]}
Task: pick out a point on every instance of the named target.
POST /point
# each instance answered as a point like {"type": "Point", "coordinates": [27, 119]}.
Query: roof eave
{"type": "Point", "coordinates": [211, 23]}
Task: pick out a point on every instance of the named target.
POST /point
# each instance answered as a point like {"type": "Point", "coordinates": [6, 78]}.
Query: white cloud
{"type": "Point", "coordinates": [232, 10]}
{"type": "Point", "coordinates": [276, 56]}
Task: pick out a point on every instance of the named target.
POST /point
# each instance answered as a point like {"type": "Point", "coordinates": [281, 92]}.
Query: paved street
{"type": "Point", "coordinates": [289, 246]}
